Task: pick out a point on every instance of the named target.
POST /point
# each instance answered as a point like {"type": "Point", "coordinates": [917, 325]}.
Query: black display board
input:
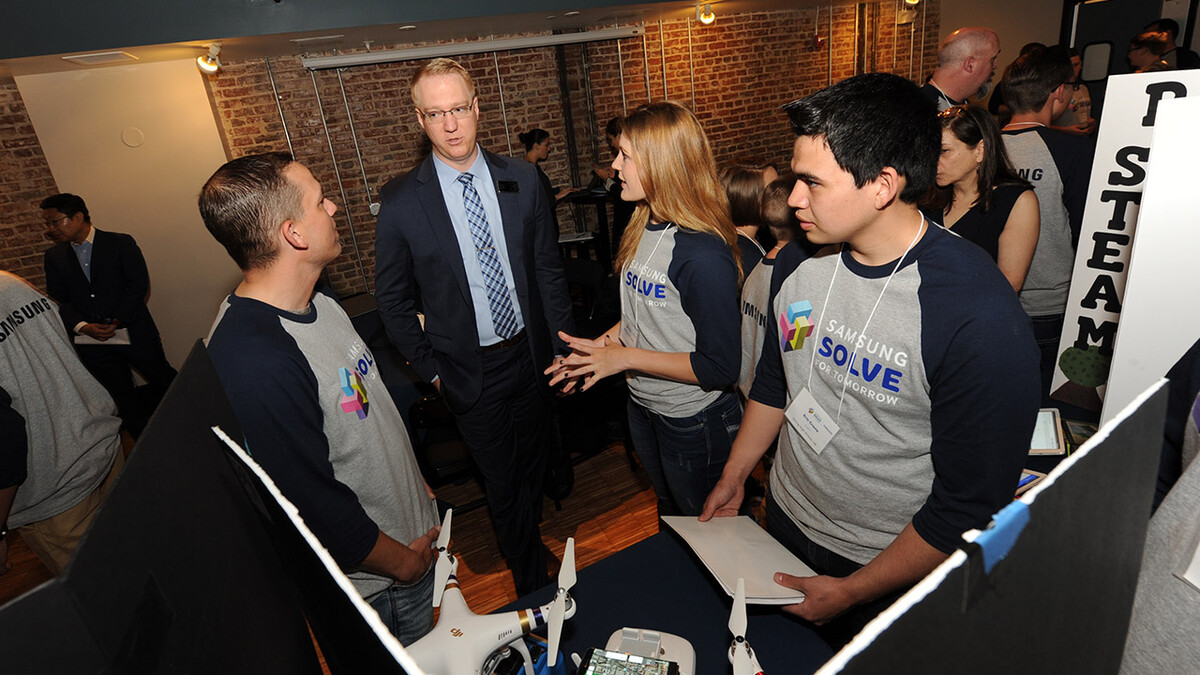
{"type": "Point", "coordinates": [1060, 600]}
{"type": "Point", "coordinates": [188, 568]}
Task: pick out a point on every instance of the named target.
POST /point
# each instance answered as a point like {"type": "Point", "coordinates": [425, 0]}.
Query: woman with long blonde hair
{"type": "Point", "coordinates": [678, 341]}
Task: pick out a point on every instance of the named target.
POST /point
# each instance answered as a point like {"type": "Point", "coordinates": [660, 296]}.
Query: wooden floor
{"type": "Point", "coordinates": [610, 508]}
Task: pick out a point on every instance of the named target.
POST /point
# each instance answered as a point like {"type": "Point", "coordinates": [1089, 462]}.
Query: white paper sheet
{"type": "Point", "coordinates": [120, 337]}
{"type": "Point", "coordinates": [737, 547]}
{"type": "Point", "coordinates": [1192, 573]}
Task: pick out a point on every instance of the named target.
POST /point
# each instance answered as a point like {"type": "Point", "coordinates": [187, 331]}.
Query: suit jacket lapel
{"type": "Point", "coordinates": [102, 254]}
{"type": "Point", "coordinates": [514, 221]}
{"type": "Point", "coordinates": [429, 193]}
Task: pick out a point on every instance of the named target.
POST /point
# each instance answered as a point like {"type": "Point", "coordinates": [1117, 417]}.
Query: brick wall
{"type": "Point", "coordinates": [742, 68]}
{"type": "Point", "coordinates": [25, 181]}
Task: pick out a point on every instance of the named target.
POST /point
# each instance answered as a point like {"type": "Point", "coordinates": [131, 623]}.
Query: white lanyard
{"type": "Point", "coordinates": [863, 332]}
{"type": "Point", "coordinates": [645, 263]}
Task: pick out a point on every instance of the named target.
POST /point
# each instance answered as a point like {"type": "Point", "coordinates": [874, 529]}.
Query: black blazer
{"type": "Point", "coordinates": [118, 289]}
{"type": "Point", "coordinates": [418, 264]}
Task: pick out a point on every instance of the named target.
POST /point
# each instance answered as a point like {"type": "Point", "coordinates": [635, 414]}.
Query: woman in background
{"type": "Point", "coordinates": [980, 197]}
{"type": "Point", "coordinates": [678, 341]}
{"type": "Point", "coordinates": [537, 148]}
{"type": "Point", "coordinates": [744, 185]}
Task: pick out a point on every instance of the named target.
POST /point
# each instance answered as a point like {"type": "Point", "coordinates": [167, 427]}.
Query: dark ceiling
{"type": "Point", "coordinates": [34, 35]}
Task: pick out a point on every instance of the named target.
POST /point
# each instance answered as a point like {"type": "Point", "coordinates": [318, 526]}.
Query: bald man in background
{"type": "Point", "coordinates": [966, 61]}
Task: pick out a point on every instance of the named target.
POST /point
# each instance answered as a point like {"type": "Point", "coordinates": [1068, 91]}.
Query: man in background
{"type": "Point", "coordinates": [966, 61]}
{"type": "Point", "coordinates": [622, 210]}
{"type": "Point", "coordinates": [100, 282]}
{"type": "Point", "coordinates": [1059, 166]}
{"type": "Point", "coordinates": [1177, 57]}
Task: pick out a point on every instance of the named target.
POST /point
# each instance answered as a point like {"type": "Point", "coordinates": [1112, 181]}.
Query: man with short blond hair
{"type": "Point", "coordinates": [966, 60]}
{"type": "Point", "coordinates": [467, 237]}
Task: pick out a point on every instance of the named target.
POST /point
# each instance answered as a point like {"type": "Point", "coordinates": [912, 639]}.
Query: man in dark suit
{"type": "Point", "coordinates": [467, 238]}
{"type": "Point", "coordinates": [100, 282]}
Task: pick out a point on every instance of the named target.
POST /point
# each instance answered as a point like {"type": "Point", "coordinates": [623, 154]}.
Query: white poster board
{"type": "Point", "coordinates": [1110, 219]}
{"type": "Point", "coordinates": [1159, 322]}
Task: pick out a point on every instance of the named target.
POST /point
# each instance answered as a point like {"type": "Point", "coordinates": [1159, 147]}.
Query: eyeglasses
{"type": "Point", "coordinates": [457, 112]}
{"type": "Point", "coordinates": [53, 222]}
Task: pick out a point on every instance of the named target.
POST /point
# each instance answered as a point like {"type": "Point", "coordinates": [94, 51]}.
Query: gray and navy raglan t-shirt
{"type": "Point", "coordinates": [320, 421]}
{"type": "Point", "coordinates": [941, 393]}
{"type": "Point", "coordinates": [756, 316]}
{"type": "Point", "coordinates": [679, 294]}
{"type": "Point", "coordinates": [1059, 166]}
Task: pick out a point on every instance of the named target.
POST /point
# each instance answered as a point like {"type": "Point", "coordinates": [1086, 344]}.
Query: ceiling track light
{"type": "Point", "coordinates": [705, 15]}
{"type": "Point", "coordinates": [210, 63]}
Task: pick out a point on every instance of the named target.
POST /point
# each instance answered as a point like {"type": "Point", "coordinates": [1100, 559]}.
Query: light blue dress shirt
{"type": "Point", "coordinates": [83, 253]}
{"type": "Point", "coordinates": [452, 194]}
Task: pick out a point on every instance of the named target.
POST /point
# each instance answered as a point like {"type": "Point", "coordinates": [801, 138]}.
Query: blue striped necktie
{"type": "Point", "coordinates": [504, 319]}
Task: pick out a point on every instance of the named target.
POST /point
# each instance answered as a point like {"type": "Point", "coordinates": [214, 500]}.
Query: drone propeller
{"type": "Point", "coordinates": [739, 651]}
{"type": "Point", "coordinates": [445, 562]}
{"type": "Point", "coordinates": [566, 579]}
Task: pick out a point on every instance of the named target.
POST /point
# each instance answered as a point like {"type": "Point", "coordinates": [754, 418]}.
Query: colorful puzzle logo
{"type": "Point", "coordinates": [354, 399]}
{"type": "Point", "coordinates": [795, 325]}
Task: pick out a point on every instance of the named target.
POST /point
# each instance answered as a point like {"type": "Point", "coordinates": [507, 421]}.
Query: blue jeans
{"type": "Point", "coordinates": [1046, 331]}
{"type": "Point", "coordinates": [846, 625]}
{"type": "Point", "coordinates": [684, 456]}
{"type": "Point", "coordinates": [407, 611]}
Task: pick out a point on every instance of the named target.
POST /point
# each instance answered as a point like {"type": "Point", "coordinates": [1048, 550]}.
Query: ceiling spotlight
{"type": "Point", "coordinates": [209, 63]}
{"type": "Point", "coordinates": [705, 16]}
{"type": "Point", "coordinates": [914, 3]}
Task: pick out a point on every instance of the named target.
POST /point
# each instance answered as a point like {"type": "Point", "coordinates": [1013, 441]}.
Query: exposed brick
{"type": "Point", "coordinates": [744, 67]}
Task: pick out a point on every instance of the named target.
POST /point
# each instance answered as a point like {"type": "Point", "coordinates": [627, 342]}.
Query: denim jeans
{"type": "Point", "coordinates": [684, 456]}
{"type": "Point", "coordinates": [842, 629]}
{"type": "Point", "coordinates": [407, 611]}
{"type": "Point", "coordinates": [1046, 331]}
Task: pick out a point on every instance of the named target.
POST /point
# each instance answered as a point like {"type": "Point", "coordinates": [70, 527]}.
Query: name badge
{"type": "Point", "coordinates": [810, 421]}
{"type": "Point", "coordinates": [508, 186]}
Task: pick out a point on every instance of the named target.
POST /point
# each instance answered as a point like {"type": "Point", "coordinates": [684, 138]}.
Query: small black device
{"type": "Point", "coordinates": [605, 662]}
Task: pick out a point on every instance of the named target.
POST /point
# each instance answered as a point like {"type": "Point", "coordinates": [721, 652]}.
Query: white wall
{"type": "Point", "coordinates": [1017, 22]}
{"type": "Point", "coordinates": [84, 120]}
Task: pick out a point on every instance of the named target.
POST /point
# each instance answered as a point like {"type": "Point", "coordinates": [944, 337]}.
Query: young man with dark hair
{"type": "Point", "coordinates": [1058, 165]}
{"type": "Point", "coordinates": [98, 300]}
{"type": "Point", "coordinates": [898, 365]}
{"type": "Point", "coordinates": [304, 385]}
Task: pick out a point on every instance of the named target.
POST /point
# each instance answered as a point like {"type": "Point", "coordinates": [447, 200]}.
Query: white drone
{"type": "Point", "coordinates": [465, 643]}
{"type": "Point", "coordinates": [741, 655]}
